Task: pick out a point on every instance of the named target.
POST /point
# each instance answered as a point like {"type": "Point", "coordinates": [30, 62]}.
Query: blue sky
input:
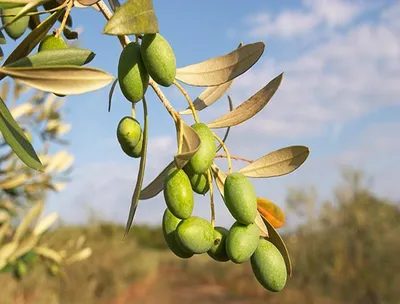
{"type": "Point", "coordinates": [340, 96]}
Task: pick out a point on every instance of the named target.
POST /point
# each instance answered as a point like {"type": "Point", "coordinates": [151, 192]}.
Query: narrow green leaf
{"type": "Point", "coordinates": [140, 177]}
{"type": "Point", "coordinates": [62, 80]}
{"type": "Point", "coordinates": [250, 107]}
{"type": "Point", "coordinates": [16, 139]}
{"type": "Point", "coordinates": [26, 9]}
{"type": "Point", "coordinates": [277, 163]}
{"type": "Point", "coordinates": [133, 17]}
{"type": "Point", "coordinates": [33, 38]}
{"type": "Point", "coordinates": [1, 54]}
{"type": "Point", "coordinates": [49, 253]}
{"type": "Point", "coordinates": [190, 145]}
{"type": "Point", "coordinates": [111, 93]}
{"type": "Point", "coordinates": [70, 56]}
{"type": "Point", "coordinates": [219, 70]}
{"type": "Point", "coordinates": [229, 128]}
{"type": "Point", "coordinates": [13, 3]}
{"type": "Point", "coordinates": [157, 185]}
{"type": "Point", "coordinates": [276, 239]}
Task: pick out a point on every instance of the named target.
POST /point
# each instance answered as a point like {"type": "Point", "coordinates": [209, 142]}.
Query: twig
{"type": "Point", "coordinates": [211, 198]}
{"type": "Point", "coordinates": [164, 100]}
{"type": "Point", "coordinates": [234, 157]}
{"type": "Point", "coordinates": [228, 155]}
{"type": "Point", "coordinates": [64, 21]}
{"type": "Point", "coordinates": [191, 105]}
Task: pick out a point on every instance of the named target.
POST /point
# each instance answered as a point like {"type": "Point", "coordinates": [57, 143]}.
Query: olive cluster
{"type": "Point", "coordinates": [153, 58]}
{"type": "Point", "coordinates": [187, 235]}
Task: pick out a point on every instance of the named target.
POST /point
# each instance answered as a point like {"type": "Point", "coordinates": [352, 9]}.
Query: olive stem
{"type": "Point", "coordinates": [180, 132]}
{"type": "Point", "coordinates": [133, 114]}
{"type": "Point", "coordinates": [64, 21]}
{"type": "Point", "coordinates": [228, 155]}
{"type": "Point", "coordinates": [234, 157]}
{"type": "Point", "coordinates": [191, 105]}
{"type": "Point", "coordinates": [107, 13]}
{"type": "Point", "coordinates": [164, 100]}
{"type": "Point", "coordinates": [211, 198]}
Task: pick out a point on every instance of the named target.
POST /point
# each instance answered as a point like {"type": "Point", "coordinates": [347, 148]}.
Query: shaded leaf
{"type": "Point", "coordinates": [276, 239]}
{"type": "Point", "coordinates": [33, 38]}
{"type": "Point", "coordinates": [33, 214]}
{"type": "Point", "coordinates": [270, 212]}
{"type": "Point", "coordinates": [114, 4]}
{"type": "Point", "coordinates": [16, 139]}
{"type": "Point", "coordinates": [79, 256]}
{"type": "Point", "coordinates": [34, 20]}
{"type": "Point", "coordinates": [277, 163]}
{"type": "Point", "coordinates": [261, 225]}
{"type": "Point", "coordinates": [142, 167]}
{"type": "Point", "coordinates": [13, 3]}
{"type": "Point", "coordinates": [190, 145]}
{"type": "Point", "coordinates": [250, 107]}
{"type": "Point", "coordinates": [133, 17]}
{"type": "Point", "coordinates": [69, 56]}
{"type": "Point", "coordinates": [21, 110]}
{"type": "Point", "coordinates": [26, 9]}
{"type": "Point", "coordinates": [63, 80]}
{"type": "Point", "coordinates": [219, 70]}
{"type": "Point", "coordinates": [111, 93]}
{"type": "Point", "coordinates": [49, 253]}
{"type": "Point", "coordinates": [157, 185]}
{"type": "Point", "coordinates": [229, 128]}
{"type": "Point", "coordinates": [2, 38]}
{"type": "Point", "coordinates": [1, 54]}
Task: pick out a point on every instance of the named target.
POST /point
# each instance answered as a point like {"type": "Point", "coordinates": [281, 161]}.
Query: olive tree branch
{"type": "Point", "coordinates": [228, 155]}
{"type": "Point", "coordinates": [64, 21]}
{"type": "Point", "coordinates": [183, 91]}
{"type": "Point", "coordinates": [234, 157]}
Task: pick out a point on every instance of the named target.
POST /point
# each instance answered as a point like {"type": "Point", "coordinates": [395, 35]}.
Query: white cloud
{"type": "Point", "coordinates": [313, 14]}
{"type": "Point", "coordinates": [342, 78]}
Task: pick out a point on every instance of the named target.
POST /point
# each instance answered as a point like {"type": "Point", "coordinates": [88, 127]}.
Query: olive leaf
{"type": "Point", "coordinates": [27, 221]}
{"type": "Point", "coordinates": [142, 167]}
{"type": "Point", "coordinates": [27, 8]}
{"type": "Point", "coordinates": [270, 212]}
{"type": "Point", "coordinates": [133, 17]}
{"type": "Point", "coordinates": [24, 246]}
{"type": "Point", "coordinates": [65, 80]}
{"type": "Point", "coordinates": [12, 3]}
{"type": "Point", "coordinates": [261, 225]}
{"type": "Point", "coordinates": [33, 38]}
{"type": "Point", "coordinates": [69, 56]}
{"type": "Point", "coordinates": [229, 128]}
{"type": "Point", "coordinates": [208, 97]}
{"type": "Point", "coordinates": [1, 54]}
{"type": "Point", "coordinates": [250, 107]}
{"type": "Point", "coordinates": [219, 70]}
{"type": "Point", "coordinates": [44, 224]}
{"type": "Point", "coordinates": [3, 230]}
{"type": "Point", "coordinates": [79, 256]}
{"type": "Point", "coordinates": [7, 250]}
{"type": "Point", "coordinates": [276, 239]}
{"type": "Point", "coordinates": [70, 35]}
{"type": "Point", "coordinates": [2, 38]}
{"type": "Point", "coordinates": [157, 185]}
{"type": "Point", "coordinates": [111, 93]}
{"type": "Point", "coordinates": [277, 163]}
{"type": "Point", "coordinates": [16, 139]}
{"type": "Point", "coordinates": [190, 145]}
